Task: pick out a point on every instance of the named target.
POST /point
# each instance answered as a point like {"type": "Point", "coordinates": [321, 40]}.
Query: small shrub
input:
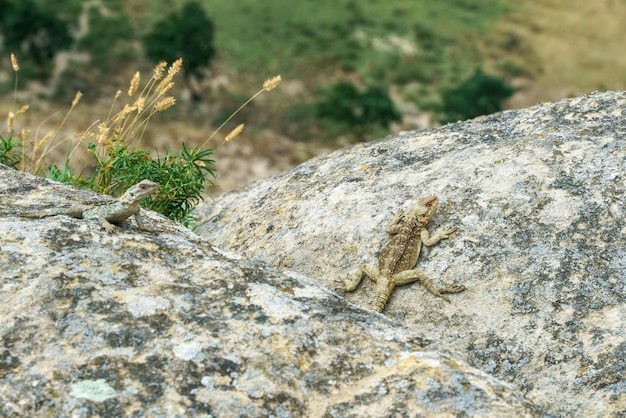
{"type": "Point", "coordinates": [10, 153]}
{"type": "Point", "coordinates": [107, 40]}
{"type": "Point", "coordinates": [114, 147]}
{"type": "Point", "coordinates": [481, 94]}
{"type": "Point", "coordinates": [355, 111]}
{"type": "Point", "coordinates": [187, 34]}
{"type": "Point", "coordinates": [340, 103]}
{"type": "Point", "coordinates": [36, 33]}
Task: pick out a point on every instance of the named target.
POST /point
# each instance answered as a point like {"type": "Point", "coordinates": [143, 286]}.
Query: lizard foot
{"type": "Point", "coordinates": [452, 288]}
{"type": "Point", "coordinates": [339, 286]}
{"type": "Point", "coordinates": [107, 226]}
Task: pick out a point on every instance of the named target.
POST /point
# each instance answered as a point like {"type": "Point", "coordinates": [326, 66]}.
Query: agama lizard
{"type": "Point", "coordinates": [399, 256]}
{"type": "Point", "coordinates": [112, 213]}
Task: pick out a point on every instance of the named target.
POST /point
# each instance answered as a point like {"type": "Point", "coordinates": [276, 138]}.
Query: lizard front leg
{"type": "Point", "coordinates": [395, 223]}
{"type": "Point", "coordinates": [409, 276]}
{"type": "Point", "coordinates": [106, 225]}
{"type": "Point", "coordinates": [427, 240]}
{"type": "Point", "coordinates": [141, 224]}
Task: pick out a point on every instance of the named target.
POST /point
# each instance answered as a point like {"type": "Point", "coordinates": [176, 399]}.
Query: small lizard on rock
{"type": "Point", "coordinates": [397, 259]}
{"type": "Point", "coordinates": [111, 213]}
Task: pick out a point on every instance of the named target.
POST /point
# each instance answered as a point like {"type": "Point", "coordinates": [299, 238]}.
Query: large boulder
{"type": "Point", "coordinates": [538, 197]}
{"type": "Point", "coordinates": [164, 324]}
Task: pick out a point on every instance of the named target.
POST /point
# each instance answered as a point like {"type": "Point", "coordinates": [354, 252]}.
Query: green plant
{"type": "Point", "coordinates": [121, 162]}
{"type": "Point", "coordinates": [107, 40]}
{"type": "Point", "coordinates": [182, 176]}
{"type": "Point", "coordinates": [113, 146]}
{"type": "Point", "coordinates": [481, 94]}
{"type": "Point", "coordinates": [10, 153]}
{"type": "Point", "coordinates": [352, 110]}
{"type": "Point", "coordinates": [187, 34]}
{"type": "Point", "coordinates": [377, 108]}
{"type": "Point", "coordinates": [34, 32]}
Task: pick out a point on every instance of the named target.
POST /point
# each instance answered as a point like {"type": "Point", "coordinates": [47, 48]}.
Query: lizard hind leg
{"type": "Point", "coordinates": [409, 276]}
{"type": "Point", "coordinates": [354, 278]}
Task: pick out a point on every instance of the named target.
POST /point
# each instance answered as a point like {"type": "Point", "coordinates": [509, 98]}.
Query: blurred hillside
{"type": "Point", "coordinates": [410, 52]}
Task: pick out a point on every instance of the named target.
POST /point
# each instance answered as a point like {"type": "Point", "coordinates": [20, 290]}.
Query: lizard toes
{"type": "Point", "coordinates": [453, 288]}
{"type": "Point", "coordinates": [339, 286]}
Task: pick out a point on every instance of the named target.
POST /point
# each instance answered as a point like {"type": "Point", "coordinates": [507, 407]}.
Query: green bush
{"type": "Point", "coordinates": [182, 177]}
{"type": "Point", "coordinates": [355, 111]}
{"type": "Point", "coordinates": [32, 32]}
{"type": "Point", "coordinates": [10, 151]}
{"type": "Point", "coordinates": [117, 160]}
{"type": "Point", "coordinates": [187, 34]}
{"type": "Point", "coordinates": [481, 94]}
{"type": "Point", "coordinates": [107, 39]}
{"type": "Point", "coordinates": [340, 103]}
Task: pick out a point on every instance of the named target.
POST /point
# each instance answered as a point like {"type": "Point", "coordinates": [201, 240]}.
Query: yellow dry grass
{"type": "Point", "coordinates": [577, 47]}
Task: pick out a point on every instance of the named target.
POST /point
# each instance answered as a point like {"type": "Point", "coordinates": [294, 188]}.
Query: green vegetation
{"type": "Point", "coordinates": [10, 151]}
{"type": "Point", "coordinates": [106, 40]}
{"type": "Point", "coordinates": [35, 32]}
{"type": "Point", "coordinates": [350, 110]}
{"type": "Point", "coordinates": [414, 49]}
{"type": "Point", "coordinates": [187, 34]}
{"type": "Point", "coordinates": [117, 159]}
{"type": "Point", "coordinates": [416, 46]}
{"type": "Point", "coordinates": [183, 177]}
{"type": "Point", "coordinates": [481, 94]}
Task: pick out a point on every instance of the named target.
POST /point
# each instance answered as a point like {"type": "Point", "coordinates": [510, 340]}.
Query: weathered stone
{"type": "Point", "coordinates": [166, 325]}
{"type": "Point", "coordinates": [538, 197]}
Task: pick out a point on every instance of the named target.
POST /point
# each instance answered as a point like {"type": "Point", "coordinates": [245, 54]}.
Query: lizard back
{"type": "Point", "coordinates": [402, 251]}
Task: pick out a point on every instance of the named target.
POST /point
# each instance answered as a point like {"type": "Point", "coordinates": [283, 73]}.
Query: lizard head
{"type": "Point", "coordinates": [139, 192]}
{"type": "Point", "coordinates": [426, 207]}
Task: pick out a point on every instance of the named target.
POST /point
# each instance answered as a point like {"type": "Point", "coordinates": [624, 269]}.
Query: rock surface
{"type": "Point", "coordinates": [538, 197]}
{"type": "Point", "coordinates": [165, 325]}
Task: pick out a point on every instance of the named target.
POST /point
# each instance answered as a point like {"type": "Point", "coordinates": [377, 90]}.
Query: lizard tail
{"type": "Point", "coordinates": [379, 300]}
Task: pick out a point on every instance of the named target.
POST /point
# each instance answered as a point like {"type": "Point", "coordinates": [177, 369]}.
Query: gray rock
{"type": "Point", "coordinates": [166, 325]}
{"type": "Point", "coordinates": [538, 198]}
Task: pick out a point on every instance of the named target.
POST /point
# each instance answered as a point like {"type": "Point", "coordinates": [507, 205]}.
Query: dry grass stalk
{"type": "Point", "coordinates": [45, 144]}
{"type": "Point", "coordinates": [165, 103]}
{"type": "Point", "coordinates": [268, 85]}
{"type": "Point", "coordinates": [158, 70]}
{"type": "Point", "coordinates": [127, 126]}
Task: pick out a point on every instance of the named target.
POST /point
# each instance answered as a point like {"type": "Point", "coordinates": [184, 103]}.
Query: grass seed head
{"type": "Point", "coordinates": [103, 133]}
{"type": "Point", "coordinates": [23, 135]}
{"type": "Point", "coordinates": [43, 140]}
{"type": "Point", "coordinates": [271, 83]}
{"type": "Point", "coordinates": [134, 83]}
{"type": "Point", "coordinates": [139, 104]}
{"type": "Point", "coordinates": [158, 70]}
{"type": "Point", "coordinates": [11, 121]}
{"type": "Point", "coordinates": [165, 103]}
{"type": "Point", "coordinates": [234, 133]}
{"type": "Point", "coordinates": [76, 98]}
{"type": "Point", "coordinates": [14, 63]}
{"type": "Point", "coordinates": [175, 67]}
